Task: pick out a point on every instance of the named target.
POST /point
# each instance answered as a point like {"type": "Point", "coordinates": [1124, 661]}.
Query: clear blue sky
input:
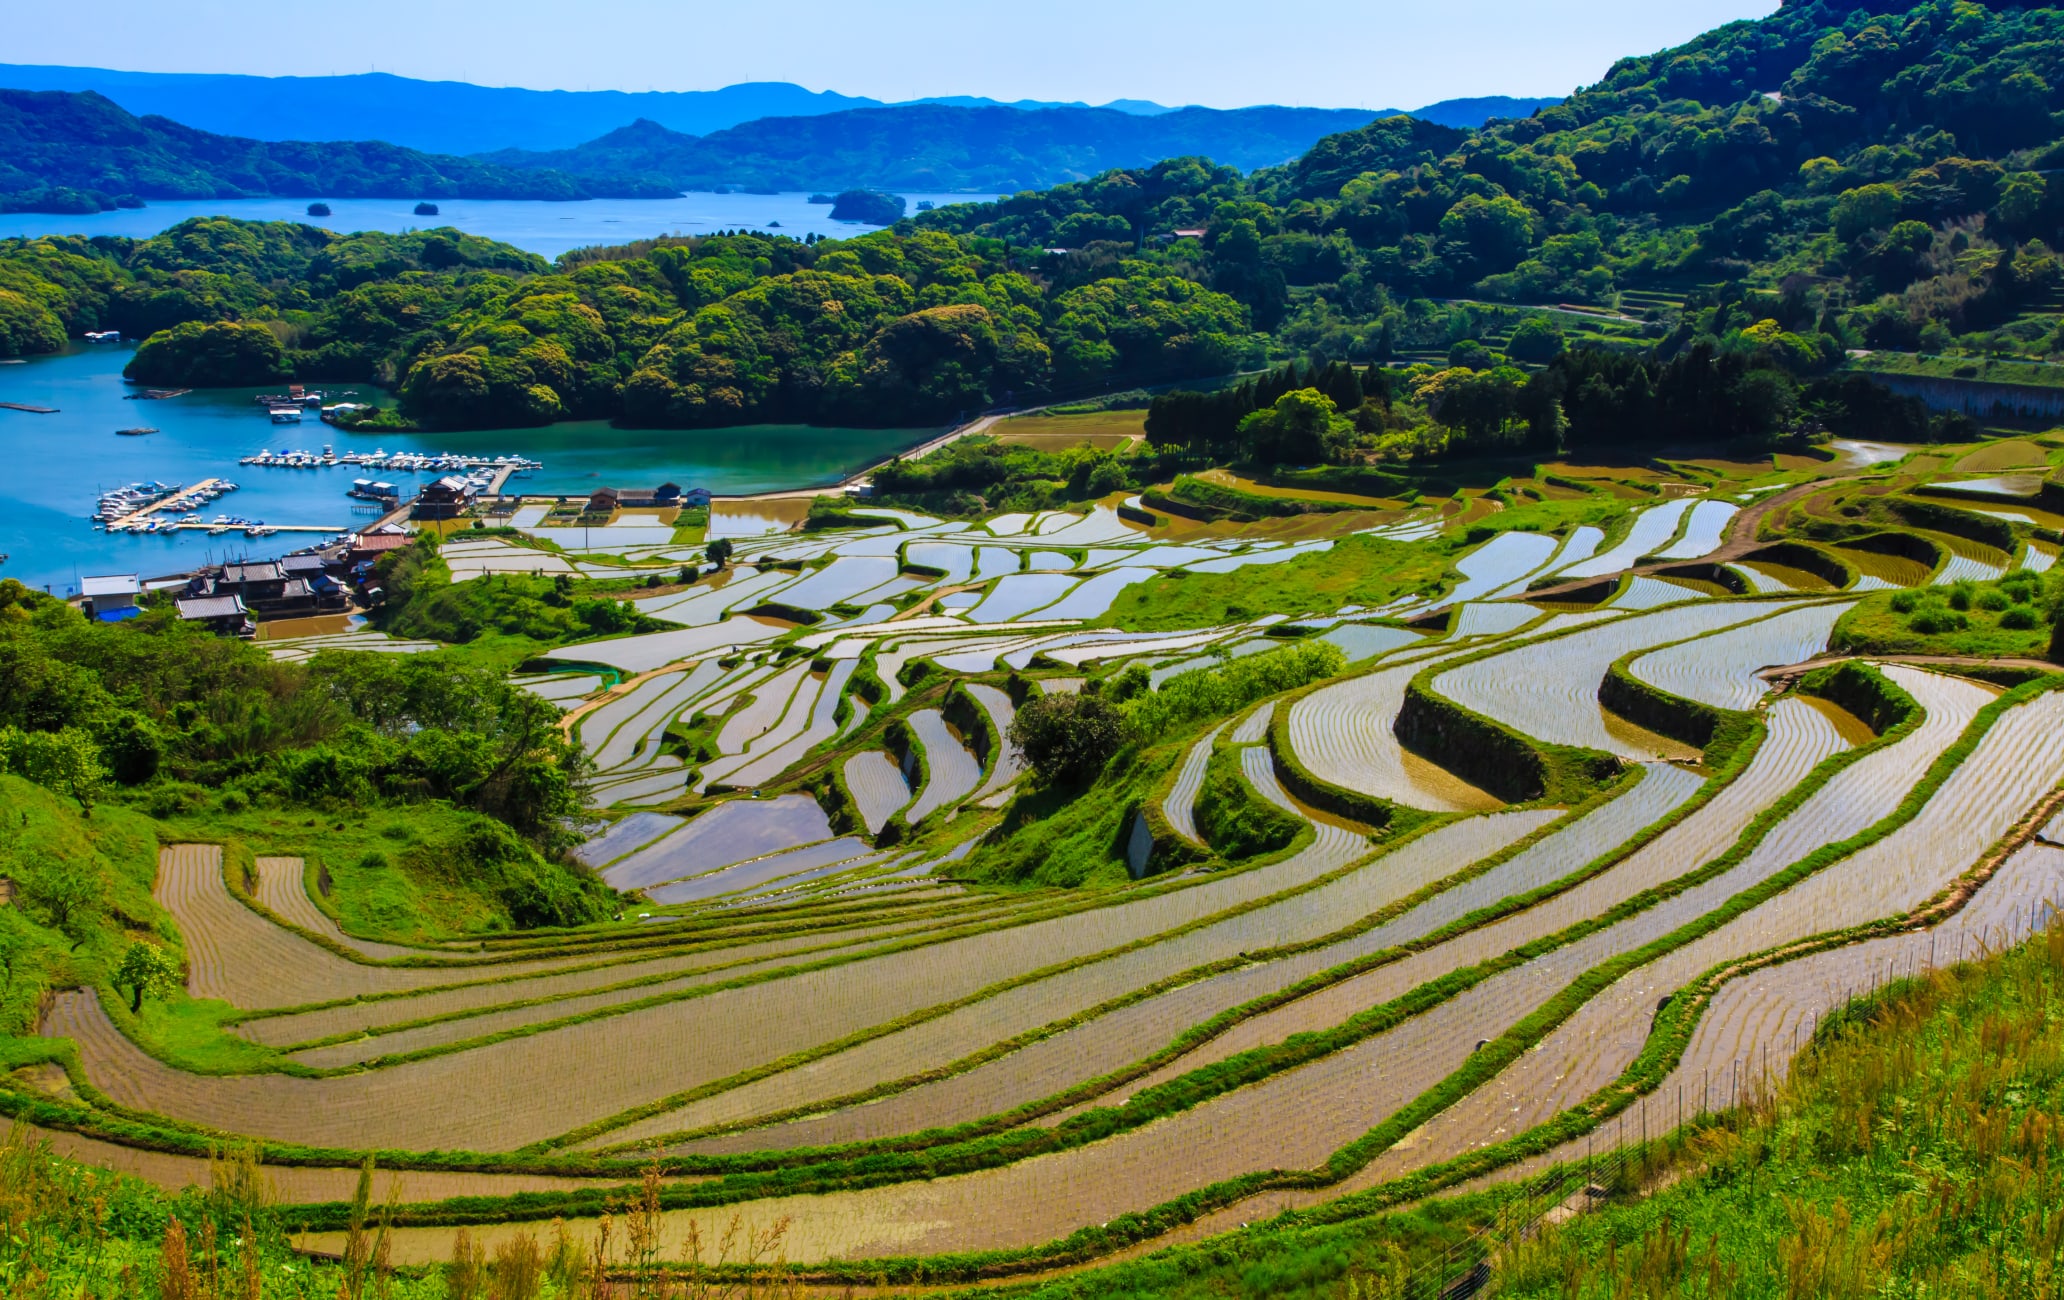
{"type": "Point", "coordinates": [1334, 53]}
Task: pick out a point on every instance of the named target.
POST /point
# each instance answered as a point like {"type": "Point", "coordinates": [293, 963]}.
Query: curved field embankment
{"type": "Point", "coordinates": [1548, 690]}
{"type": "Point", "coordinates": [515, 1092]}
{"type": "Point", "coordinates": [1343, 735]}
{"type": "Point", "coordinates": [1720, 669]}
{"type": "Point", "coordinates": [244, 959]}
{"type": "Point", "coordinates": [1596, 1044]}
{"type": "Point", "coordinates": [283, 891]}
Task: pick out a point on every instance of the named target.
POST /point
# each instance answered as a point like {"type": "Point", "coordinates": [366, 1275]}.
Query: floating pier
{"type": "Point", "coordinates": [182, 500]}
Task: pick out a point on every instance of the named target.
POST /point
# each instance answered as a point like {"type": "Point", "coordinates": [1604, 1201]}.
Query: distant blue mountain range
{"type": "Point", "coordinates": [451, 117]}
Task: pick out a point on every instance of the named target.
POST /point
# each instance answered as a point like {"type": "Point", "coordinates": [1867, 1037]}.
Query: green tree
{"type": "Point", "coordinates": [145, 969]}
{"type": "Point", "coordinates": [1067, 739]}
{"type": "Point", "coordinates": [1300, 429]}
{"type": "Point", "coordinates": [65, 896]}
{"type": "Point", "coordinates": [1534, 340]}
{"type": "Point", "coordinates": [718, 551]}
{"type": "Point", "coordinates": [1866, 208]}
{"type": "Point", "coordinates": [65, 760]}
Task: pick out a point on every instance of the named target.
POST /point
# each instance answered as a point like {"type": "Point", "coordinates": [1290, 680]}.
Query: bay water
{"type": "Point", "coordinates": [545, 228]}
{"type": "Point", "coordinates": [56, 466]}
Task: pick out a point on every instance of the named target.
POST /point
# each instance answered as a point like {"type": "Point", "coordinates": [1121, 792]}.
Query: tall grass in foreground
{"type": "Point", "coordinates": [1913, 1152]}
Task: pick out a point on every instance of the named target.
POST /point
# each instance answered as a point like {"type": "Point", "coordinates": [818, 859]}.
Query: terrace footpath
{"type": "Point", "coordinates": [1742, 538]}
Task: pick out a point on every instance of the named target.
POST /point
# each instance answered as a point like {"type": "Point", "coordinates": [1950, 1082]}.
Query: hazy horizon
{"type": "Point", "coordinates": [1078, 52]}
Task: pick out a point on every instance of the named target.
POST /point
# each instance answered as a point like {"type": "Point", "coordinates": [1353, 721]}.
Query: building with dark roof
{"type": "Point", "coordinates": [446, 498]}
{"type": "Point", "coordinates": [222, 614]}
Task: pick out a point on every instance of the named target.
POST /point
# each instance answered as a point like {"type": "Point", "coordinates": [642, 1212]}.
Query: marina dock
{"type": "Point", "coordinates": [494, 485]}
{"type": "Point", "coordinates": [186, 498]}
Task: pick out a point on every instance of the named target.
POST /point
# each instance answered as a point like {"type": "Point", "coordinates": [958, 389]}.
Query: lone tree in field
{"type": "Point", "coordinates": [718, 551]}
{"type": "Point", "coordinates": [145, 969]}
{"type": "Point", "coordinates": [1067, 739]}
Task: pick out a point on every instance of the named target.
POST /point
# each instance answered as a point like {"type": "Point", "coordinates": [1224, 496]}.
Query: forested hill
{"type": "Point", "coordinates": [941, 147]}
{"type": "Point", "coordinates": [63, 152]}
{"type": "Point", "coordinates": [1886, 170]}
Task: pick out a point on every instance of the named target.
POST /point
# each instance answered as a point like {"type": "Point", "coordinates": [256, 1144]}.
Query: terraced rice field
{"type": "Point", "coordinates": [952, 771]}
{"type": "Point", "coordinates": [1343, 734]}
{"type": "Point", "coordinates": [1551, 692]}
{"type": "Point", "coordinates": [1720, 669]}
{"type": "Point", "coordinates": [778, 983]}
{"type": "Point", "coordinates": [1704, 530]}
{"type": "Point", "coordinates": [878, 787]}
{"type": "Point", "coordinates": [1652, 528]}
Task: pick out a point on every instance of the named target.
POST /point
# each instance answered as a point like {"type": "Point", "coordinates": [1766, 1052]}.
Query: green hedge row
{"type": "Point", "coordinates": [1254, 505]}
{"type": "Point", "coordinates": [1861, 689]}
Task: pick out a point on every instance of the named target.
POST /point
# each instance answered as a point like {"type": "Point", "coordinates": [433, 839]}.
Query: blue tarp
{"type": "Point", "coordinates": [121, 615]}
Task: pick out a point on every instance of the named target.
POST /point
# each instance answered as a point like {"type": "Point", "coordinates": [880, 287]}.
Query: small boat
{"type": "Point", "coordinates": [286, 415]}
{"type": "Point", "coordinates": [137, 432]}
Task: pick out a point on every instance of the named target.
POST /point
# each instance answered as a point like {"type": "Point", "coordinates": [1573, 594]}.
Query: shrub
{"type": "Point", "coordinates": [1905, 602]}
{"type": "Point", "coordinates": [1931, 622]}
{"type": "Point", "coordinates": [1992, 600]}
{"type": "Point", "coordinates": [2019, 619]}
{"type": "Point", "coordinates": [1067, 739]}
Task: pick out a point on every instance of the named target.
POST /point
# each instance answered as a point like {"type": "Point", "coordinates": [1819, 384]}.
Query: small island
{"type": "Point", "coordinates": [869, 207]}
{"type": "Point", "coordinates": [318, 209]}
{"type": "Point", "coordinates": [426, 209]}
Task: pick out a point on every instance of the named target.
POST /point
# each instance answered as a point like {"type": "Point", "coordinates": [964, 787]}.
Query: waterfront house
{"type": "Point", "coordinates": [258, 584]}
{"type": "Point", "coordinates": [309, 565]}
{"type": "Point", "coordinates": [604, 501]}
{"type": "Point", "coordinates": [371, 546]}
{"type": "Point", "coordinates": [444, 499]}
{"type": "Point", "coordinates": [110, 597]}
{"type": "Point", "coordinates": [666, 496]}
{"type": "Point", "coordinates": [225, 615]}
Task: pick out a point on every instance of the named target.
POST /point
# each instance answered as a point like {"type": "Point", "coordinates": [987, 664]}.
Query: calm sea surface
{"type": "Point", "coordinates": [548, 229]}
{"type": "Point", "coordinates": [56, 466]}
